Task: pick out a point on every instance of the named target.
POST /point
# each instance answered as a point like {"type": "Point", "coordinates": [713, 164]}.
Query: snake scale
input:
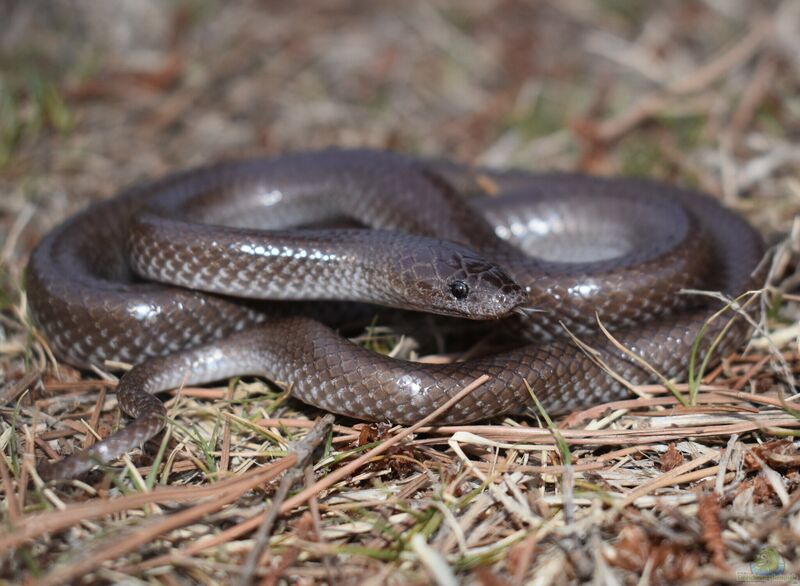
{"type": "Point", "coordinates": [173, 275]}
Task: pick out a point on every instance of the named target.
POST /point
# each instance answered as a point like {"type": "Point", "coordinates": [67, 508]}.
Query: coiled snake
{"type": "Point", "coordinates": [149, 277]}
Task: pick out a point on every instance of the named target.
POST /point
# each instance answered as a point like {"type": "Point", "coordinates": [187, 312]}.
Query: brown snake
{"type": "Point", "coordinates": [617, 249]}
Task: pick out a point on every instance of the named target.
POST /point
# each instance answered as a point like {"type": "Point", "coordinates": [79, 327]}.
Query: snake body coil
{"type": "Point", "coordinates": [617, 249]}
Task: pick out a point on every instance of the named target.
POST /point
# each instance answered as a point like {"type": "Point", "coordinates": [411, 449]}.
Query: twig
{"type": "Point", "coordinates": [51, 522]}
{"type": "Point", "coordinates": [430, 558]}
{"type": "Point", "coordinates": [13, 390]}
{"type": "Point", "coordinates": [708, 514]}
{"type": "Point", "coordinates": [341, 473]}
{"type": "Point", "coordinates": [65, 574]}
{"type": "Point", "coordinates": [12, 504]}
{"type": "Point", "coordinates": [668, 478]}
{"type": "Point", "coordinates": [90, 438]}
{"type": "Point", "coordinates": [225, 458]}
{"type": "Point", "coordinates": [692, 82]}
{"type": "Point", "coordinates": [345, 471]}
{"type": "Point", "coordinates": [22, 219]}
{"type": "Point", "coordinates": [304, 449]}
{"type": "Point", "coordinates": [753, 95]}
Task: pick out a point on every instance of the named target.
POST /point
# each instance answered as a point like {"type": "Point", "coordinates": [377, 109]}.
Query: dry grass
{"type": "Point", "coordinates": [700, 92]}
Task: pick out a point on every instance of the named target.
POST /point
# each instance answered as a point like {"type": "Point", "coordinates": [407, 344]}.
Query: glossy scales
{"type": "Point", "coordinates": [651, 241]}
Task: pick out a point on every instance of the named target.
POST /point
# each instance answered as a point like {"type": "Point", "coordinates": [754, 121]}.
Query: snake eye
{"type": "Point", "coordinates": [459, 289]}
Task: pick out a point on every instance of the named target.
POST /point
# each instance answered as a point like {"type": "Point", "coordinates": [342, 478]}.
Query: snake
{"type": "Point", "coordinates": [216, 271]}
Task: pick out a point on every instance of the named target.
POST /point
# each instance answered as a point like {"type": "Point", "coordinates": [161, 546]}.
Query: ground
{"type": "Point", "coordinates": [95, 95]}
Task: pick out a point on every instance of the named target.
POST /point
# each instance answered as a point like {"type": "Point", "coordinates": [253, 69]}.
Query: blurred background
{"type": "Point", "coordinates": [96, 94]}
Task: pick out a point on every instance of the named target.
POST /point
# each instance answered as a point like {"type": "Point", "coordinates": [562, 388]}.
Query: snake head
{"type": "Point", "coordinates": [456, 281]}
